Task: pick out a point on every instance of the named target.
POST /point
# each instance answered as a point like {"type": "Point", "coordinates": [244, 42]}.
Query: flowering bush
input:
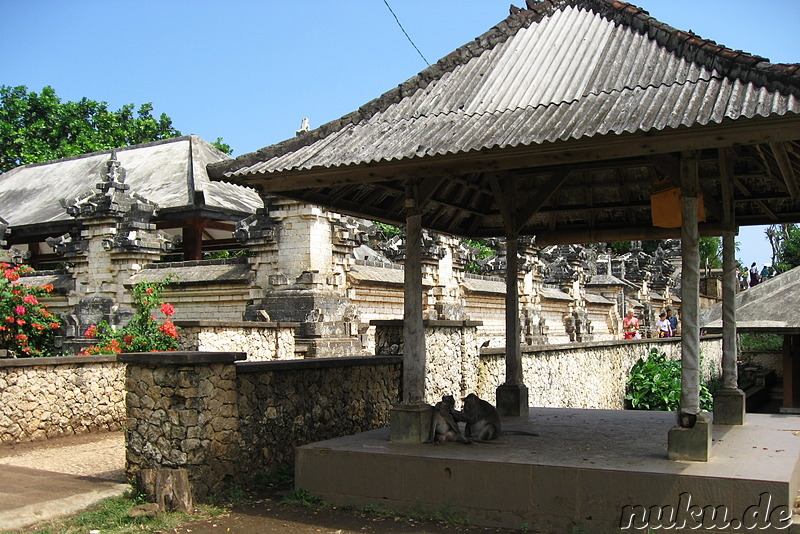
{"type": "Point", "coordinates": [27, 328]}
{"type": "Point", "coordinates": [144, 333]}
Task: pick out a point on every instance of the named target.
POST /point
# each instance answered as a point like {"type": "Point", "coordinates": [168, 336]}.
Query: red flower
{"type": "Point", "coordinates": [21, 337]}
{"type": "Point", "coordinates": [55, 326]}
{"type": "Point", "coordinates": [168, 309]}
{"type": "Point", "coordinates": [38, 327]}
{"type": "Point", "coordinates": [30, 299]}
{"type": "Point", "coordinates": [20, 310]}
{"type": "Point", "coordinates": [48, 287]}
{"type": "Point", "coordinates": [10, 319]}
{"type": "Point", "coordinates": [90, 332]}
{"type": "Point", "coordinates": [149, 290]}
{"type": "Point", "coordinates": [10, 275]}
{"type": "Point", "coordinates": [168, 329]}
{"type": "Point", "coordinates": [128, 339]}
{"type": "Point", "coordinates": [21, 322]}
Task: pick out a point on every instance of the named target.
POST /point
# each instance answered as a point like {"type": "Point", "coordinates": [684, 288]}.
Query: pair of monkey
{"type": "Point", "coordinates": [481, 418]}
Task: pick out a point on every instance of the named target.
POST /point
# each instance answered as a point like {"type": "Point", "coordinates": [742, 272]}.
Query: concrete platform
{"type": "Point", "coordinates": [579, 474]}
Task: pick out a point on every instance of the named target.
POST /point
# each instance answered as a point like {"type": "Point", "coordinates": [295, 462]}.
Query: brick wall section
{"type": "Point", "coordinates": [49, 397]}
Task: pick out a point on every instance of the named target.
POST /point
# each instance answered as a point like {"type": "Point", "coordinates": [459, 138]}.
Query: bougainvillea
{"type": "Point", "coordinates": [145, 332]}
{"type": "Point", "coordinates": [27, 327]}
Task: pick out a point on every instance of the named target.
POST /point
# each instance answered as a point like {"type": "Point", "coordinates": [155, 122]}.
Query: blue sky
{"type": "Point", "coordinates": [249, 71]}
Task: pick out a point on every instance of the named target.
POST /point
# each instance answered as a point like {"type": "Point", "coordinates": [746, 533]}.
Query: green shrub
{"type": "Point", "coordinates": [144, 333]}
{"type": "Point", "coordinates": [760, 342]}
{"type": "Point", "coordinates": [655, 384]}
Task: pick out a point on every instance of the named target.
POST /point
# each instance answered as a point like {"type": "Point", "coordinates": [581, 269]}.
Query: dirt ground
{"type": "Point", "coordinates": [268, 516]}
{"type": "Point", "coordinates": [103, 456]}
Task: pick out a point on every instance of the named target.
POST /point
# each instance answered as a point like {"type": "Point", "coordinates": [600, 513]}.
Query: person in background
{"type": "Point", "coordinates": [673, 321]}
{"type": "Point", "coordinates": [754, 276]}
{"type": "Point", "coordinates": [765, 272]}
{"type": "Point", "coordinates": [663, 326]}
{"type": "Point", "coordinates": [630, 326]}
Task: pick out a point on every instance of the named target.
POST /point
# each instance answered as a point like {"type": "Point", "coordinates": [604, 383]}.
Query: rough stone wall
{"type": "Point", "coordinates": [260, 341]}
{"type": "Point", "coordinates": [766, 360]}
{"type": "Point", "coordinates": [43, 398]}
{"type": "Point", "coordinates": [183, 416]}
{"type": "Point", "coordinates": [451, 352]}
{"type": "Point", "coordinates": [585, 375]}
{"type": "Point", "coordinates": [287, 404]}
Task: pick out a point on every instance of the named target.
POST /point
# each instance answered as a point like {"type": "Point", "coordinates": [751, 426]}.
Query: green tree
{"type": "Point", "coordinates": [785, 241]}
{"type": "Point", "coordinates": [36, 127]}
{"type": "Point", "coordinates": [711, 252]}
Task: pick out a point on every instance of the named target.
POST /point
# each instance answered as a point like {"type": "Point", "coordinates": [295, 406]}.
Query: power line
{"type": "Point", "coordinates": [406, 33]}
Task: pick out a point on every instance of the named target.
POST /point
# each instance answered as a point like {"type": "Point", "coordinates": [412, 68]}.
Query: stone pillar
{"type": "Point", "coordinates": [183, 413]}
{"type": "Point", "coordinates": [113, 238]}
{"type": "Point", "coordinates": [300, 275]}
{"type": "Point", "coordinates": [691, 439]}
{"type": "Point", "coordinates": [512, 396]}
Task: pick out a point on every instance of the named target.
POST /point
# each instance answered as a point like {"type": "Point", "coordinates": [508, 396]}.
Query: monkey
{"type": "Point", "coordinates": [443, 423]}
{"type": "Point", "coordinates": [483, 421]}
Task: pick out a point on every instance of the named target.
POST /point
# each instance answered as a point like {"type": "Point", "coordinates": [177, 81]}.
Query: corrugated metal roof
{"type": "Point", "coordinates": [165, 172]}
{"type": "Point", "coordinates": [574, 73]}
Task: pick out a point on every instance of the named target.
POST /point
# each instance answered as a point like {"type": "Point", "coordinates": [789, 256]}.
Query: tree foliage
{"type": "Point", "coordinates": [711, 252]}
{"type": "Point", "coordinates": [785, 241]}
{"type": "Point", "coordinates": [36, 127]}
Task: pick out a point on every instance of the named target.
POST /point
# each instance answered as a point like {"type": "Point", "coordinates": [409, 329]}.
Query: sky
{"type": "Point", "coordinates": [249, 70]}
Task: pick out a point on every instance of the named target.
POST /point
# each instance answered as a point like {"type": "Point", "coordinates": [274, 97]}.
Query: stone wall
{"type": "Point", "coordinates": [43, 398]}
{"type": "Point", "coordinates": [451, 354]}
{"type": "Point", "coordinates": [585, 375]}
{"type": "Point", "coordinates": [286, 404]}
{"type": "Point", "coordinates": [221, 420]}
{"type": "Point", "coordinates": [260, 341]}
{"type": "Point", "coordinates": [183, 412]}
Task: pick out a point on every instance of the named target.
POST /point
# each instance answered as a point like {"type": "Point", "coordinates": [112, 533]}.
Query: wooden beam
{"type": "Point", "coordinates": [785, 165]}
{"type": "Point", "coordinates": [626, 233]}
{"type": "Point", "coordinates": [505, 198]}
{"type": "Point", "coordinates": [746, 190]}
{"type": "Point", "coordinates": [533, 205]}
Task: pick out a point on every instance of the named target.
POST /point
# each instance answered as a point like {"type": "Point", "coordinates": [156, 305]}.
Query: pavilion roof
{"type": "Point", "coordinates": [571, 108]}
{"type": "Point", "coordinates": [171, 173]}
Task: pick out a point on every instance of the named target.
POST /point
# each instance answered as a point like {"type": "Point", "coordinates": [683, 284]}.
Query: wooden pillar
{"type": "Point", "coordinates": [690, 292]}
{"type": "Point", "coordinates": [513, 349]}
{"type": "Point", "coordinates": [193, 239]}
{"type": "Point", "coordinates": [410, 421]}
{"type": "Point", "coordinates": [413, 329]}
{"type": "Point", "coordinates": [729, 401]}
{"type": "Point", "coordinates": [690, 440]}
{"type": "Point", "coordinates": [791, 373]}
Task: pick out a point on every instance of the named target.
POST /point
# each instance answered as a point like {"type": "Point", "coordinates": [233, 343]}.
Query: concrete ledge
{"type": "Point", "coordinates": [236, 324]}
{"type": "Point", "coordinates": [590, 344]}
{"type": "Point", "coordinates": [315, 363]}
{"type": "Point", "coordinates": [180, 357]}
{"type": "Point", "coordinates": [57, 360]}
{"type": "Point", "coordinates": [426, 323]}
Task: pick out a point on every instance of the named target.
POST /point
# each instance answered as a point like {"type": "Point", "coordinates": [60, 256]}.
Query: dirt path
{"type": "Point", "coordinates": [103, 456]}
